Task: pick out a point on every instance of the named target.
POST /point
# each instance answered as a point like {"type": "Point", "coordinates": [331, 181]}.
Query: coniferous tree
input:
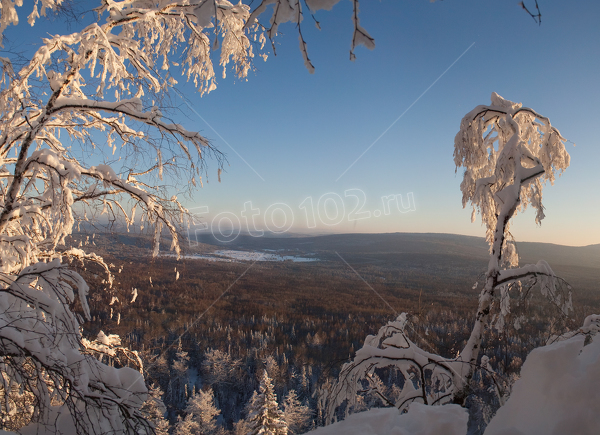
{"type": "Point", "coordinates": [296, 415]}
{"type": "Point", "coordinates": [179, 378]}
{"type": "Point", "coordinates": [154, 410]}
{"type": "Point", "coordinates": [241, 427]}
{"type": "Point", "coordinates": [201, 415]}
{"type": "Point", "coordinates": [186, 426]}
{"type": "Point", "coordinates": [264, 415]}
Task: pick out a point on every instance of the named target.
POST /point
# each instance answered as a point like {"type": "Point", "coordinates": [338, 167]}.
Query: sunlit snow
{"type": "Point", "coordinates": [420, 420]}
{"type": "Point", "coordinates": [231, 255]}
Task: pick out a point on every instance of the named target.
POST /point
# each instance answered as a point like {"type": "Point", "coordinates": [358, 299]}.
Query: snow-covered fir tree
{"type": "Point", "coordinates": [296, 415]}
{"type": "Point", "coordinates": [241, 427]}
{"type": "Point", "coordinates": [264, 415]}
{"type": "Point", "coordinates": [200, 415]}
{"type": "Point", "coordinates": [154, 410]}
{"type": "Point", "coordinates": [219, 367]}
{"type": "Point", "coordinates": [178, 381]}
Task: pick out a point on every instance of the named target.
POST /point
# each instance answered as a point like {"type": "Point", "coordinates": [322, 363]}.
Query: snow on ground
{"type": "Point", "coordinates": [558, 393]}
{"type": "Point", "coordinates": [230, 255]}
{"type": "Point", "coordinates": [420, 420]}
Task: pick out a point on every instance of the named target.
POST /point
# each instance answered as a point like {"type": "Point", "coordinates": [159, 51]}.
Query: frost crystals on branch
{"type": "Point", "coordinates": [291, 11]}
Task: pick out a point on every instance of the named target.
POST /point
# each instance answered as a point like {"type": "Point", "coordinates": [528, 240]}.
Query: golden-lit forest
{"type": "Point", "coordinates": [303, 320]}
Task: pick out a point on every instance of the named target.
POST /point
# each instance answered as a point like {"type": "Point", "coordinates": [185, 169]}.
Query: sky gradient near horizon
{"type": "Point", "coordinates": [290, 136]}
{"type": "Point", "coordinates": [355, 133]}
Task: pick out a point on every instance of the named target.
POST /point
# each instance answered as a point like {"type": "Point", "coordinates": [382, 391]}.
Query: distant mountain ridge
{"type": "Point", "coordinates": [425, 244]}
{"type": "Point", "coordinates": [419, 243]}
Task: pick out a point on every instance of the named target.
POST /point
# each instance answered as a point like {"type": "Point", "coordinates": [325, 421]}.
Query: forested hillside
{"type": "Point", "coordinates": [302, 321]}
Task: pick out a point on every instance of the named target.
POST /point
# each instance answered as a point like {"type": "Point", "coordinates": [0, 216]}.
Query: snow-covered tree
{"type": "Point", "coordinates": [296, 415]}
{"type": "Point", "coordinates": [508, 152]}
{"type": "Point", "coordinates": [82, 133]}
{"type": "Point", "coordinates": [43, 356]}
{"type": "Point", "coordinates": [177, 391]}
{"type": "Point", "coordinates": [108, 349]}
{"type": "Point", "coordinates": [154, 410]}
{"type": "Point", "coordinates": [241, 427]}
{"type": "Point", "coordinates": [219, 367]}
{"type": "Point", "coordinates": [264, 415]}
{"type": "Point", "coordinates": [201, 415]}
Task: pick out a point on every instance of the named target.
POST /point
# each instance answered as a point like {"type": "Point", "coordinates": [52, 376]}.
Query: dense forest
{"type": "Point", "coordinates": [202, 324]}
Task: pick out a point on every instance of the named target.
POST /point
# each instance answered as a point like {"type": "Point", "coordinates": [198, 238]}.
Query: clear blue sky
{"type": "Point", "coordinates": [289, 135]}
{"type": "Point", "coordinates": [299, 132]}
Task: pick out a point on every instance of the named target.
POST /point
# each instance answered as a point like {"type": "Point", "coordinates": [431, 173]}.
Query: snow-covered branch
{"type": "Point", "coordinates": [421, 376]}
{"type": "Point", "coordinates": [42, 346]}
{"type": "Point", "coordinates": [508, 152]}
{"type": "Point", "coordinates": [285, 11]}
